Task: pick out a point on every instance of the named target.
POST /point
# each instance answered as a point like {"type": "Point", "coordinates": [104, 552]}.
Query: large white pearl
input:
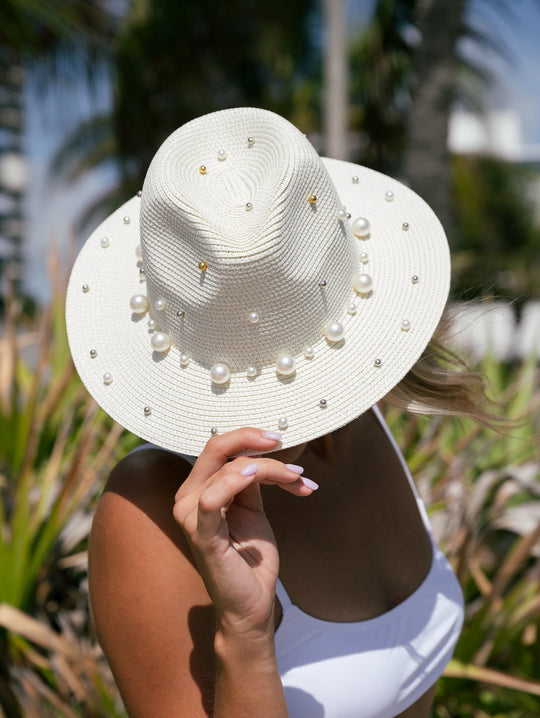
{"type": "Point", "coordinates": [360, 227]}
{"type": "Point", "coordinates": [285, 365]}
{"type": "Point", "coordinates": [363, 283]}
{"type": "Point", "coordinates": [160, 341]}
{"type": "Point", "coordinates": [139, 304]}
{"type": "Point", "coordinates": [253, 317]}
{"type": "Point", "coordinates": [334, 331]}
{"type": "Point", "coordinates": [220, 373]}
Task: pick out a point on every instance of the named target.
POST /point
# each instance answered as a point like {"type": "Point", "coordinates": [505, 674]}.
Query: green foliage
{"type": "Point", "coordinates": [56, 447]}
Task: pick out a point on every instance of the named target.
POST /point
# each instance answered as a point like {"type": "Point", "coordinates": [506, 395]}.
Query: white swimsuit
{"type": "Point", "coordinates": [375, 668]}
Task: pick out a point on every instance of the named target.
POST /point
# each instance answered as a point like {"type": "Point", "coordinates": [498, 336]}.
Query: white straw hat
{"type": "Point", "coordinates": [253, 283]}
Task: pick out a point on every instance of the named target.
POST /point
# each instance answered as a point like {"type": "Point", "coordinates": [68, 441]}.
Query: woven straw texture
{"type": "Point", "coordinates": [267, 250]}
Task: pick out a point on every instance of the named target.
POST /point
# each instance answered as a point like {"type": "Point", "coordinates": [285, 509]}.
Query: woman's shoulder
{"type": "Point", "coordinates": [144, 587]}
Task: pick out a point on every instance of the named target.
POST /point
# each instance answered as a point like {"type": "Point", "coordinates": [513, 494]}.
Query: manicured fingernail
{"type": "Point", "coordinates": [309, 483]}
{"type": "Point", "coordinates": [294, 468]}
{"type": "Point", "coordinates": [274, 435]}
{"type": "Point", "coordinates": [249, 470]}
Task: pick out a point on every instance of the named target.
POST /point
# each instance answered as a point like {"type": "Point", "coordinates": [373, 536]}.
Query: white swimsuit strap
{"type": "Point", "coordinates": [282, 595]}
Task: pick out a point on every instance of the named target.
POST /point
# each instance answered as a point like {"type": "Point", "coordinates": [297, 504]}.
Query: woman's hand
{"type": "Point", "coordinates": [220, 510]}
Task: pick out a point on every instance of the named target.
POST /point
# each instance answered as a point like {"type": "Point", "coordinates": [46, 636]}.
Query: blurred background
{"type": "Point", "coordinates": [442, 94]}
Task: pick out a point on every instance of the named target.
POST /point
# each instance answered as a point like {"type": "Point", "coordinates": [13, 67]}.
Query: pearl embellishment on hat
{"type": "Point", "coordinates": [351, 309]}
{"type": "Point", "coordinates": [250, 141]}
{"type": "Point", "coordinates": [309, 353]}
{"type": "Point", "coordinates": [360, 227]}
{"type": "Point", "coordinates": [221, 155]}
{"type": "Point", "coordinates": [160, 341]}
{"type": "Point", "coordinates": [341, 215]}
{"type": "Point", "coordinates": [249, 206]}
{"type": "Point", "coordinates": [389, 196]}
{"type": "Point", "coordinates": [138, 251]}
{"type": "Point", "coordinates": [415, 278]}
{"type": "Point", "coordinates": [107, 378]}
{"type": "Point", "coordinates": [86, 288]}
{"type": "Point", "coordinates": [180, 314]}
{"type": "Point", "coordinates": [139, 304]}
{"type": "Point", "coordinates": [147, 411]}
{"type": "Point", "coordinates": [93, 353]}
{"type": "Point", "coordinates": [285, 365]}
{"type": "Point", "coordinates": [405, 226]}
{"type": "Point", "coordinates": [220, 373]}
{"type": "Point", "coordinates": [334, 331]}
{"type": "Point", "coordinates": [377, 363]}
{"type": "Point", "coordinates": [126, 220]}
{"type": "Point", "coordinates": [355, 179]}
{"type": "Point", "coordinates": [322, 283]}
{"type": "Point", "coordinates": [202, 169]}
{"type": "Point", "coordinates": [160, 304]}
{"type": "Point", "coordinates": [203, 265]}
{"type": "Point", "coordinates": [152, 325]}
{"type": "Point", "coordinates": [251, 372]}
{"type": "Point", "coordinates": [214, 431]}
{"type": "Point", "coordinates": [323, 403]}
{"type": "Point", "coordinates": [139, 193]}
{"type": "Point", "coordinates": [312, 199]}
{"type": "Point", "coordinates": [253, 317]}
{"type": "Point", "coordinates": [405, 325]}
{"type": "Point", "coordinates": [105, 242]}
{"type": "Point", "coordinates": [282, 422]}
{"type": "Point", "coordinates": [363, 283]}
{"type": "Point", "coordinates": [184, 359]}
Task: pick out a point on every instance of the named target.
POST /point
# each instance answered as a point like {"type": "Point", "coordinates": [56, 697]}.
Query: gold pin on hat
{"type": "Point", "coordinates": [203, 265]}
{"type": "Point", "coordinates": [202, 169]}
{"type": "Point", "coordinates": [312, 199]}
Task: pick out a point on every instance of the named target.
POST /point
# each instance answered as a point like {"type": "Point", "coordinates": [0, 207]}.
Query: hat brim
{"type": "Point", "coordinates": [176, 406]}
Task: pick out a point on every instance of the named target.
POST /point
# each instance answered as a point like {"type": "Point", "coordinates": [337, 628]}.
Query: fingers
{"type": "Point", "coordinates": [221, 448]}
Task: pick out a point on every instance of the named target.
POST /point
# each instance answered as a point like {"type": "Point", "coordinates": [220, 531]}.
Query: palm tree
{"type": "Point", "coordinates": [51, 39]}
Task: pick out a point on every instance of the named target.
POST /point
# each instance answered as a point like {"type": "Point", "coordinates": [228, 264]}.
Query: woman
{"type": "Point", "coordinates": [274, 299]}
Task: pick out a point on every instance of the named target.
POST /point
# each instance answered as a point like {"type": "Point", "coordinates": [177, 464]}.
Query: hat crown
{"type": "Point", "coordinates": [228, 234]}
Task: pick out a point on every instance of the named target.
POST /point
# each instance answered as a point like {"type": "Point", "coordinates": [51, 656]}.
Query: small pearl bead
{"type": "Point", "coordinates": [160, 341]}
{"type": "Point", "coordinates": [214, 431]}
{"type": "Point", "coordinates": [378, 362]}
{"type": "Point", "coordinates": [160, 304]}
{"type": "Point", "coordinates": [323, 403]}
{"type": "Point", "coordinates": [139, 193]}
{"type": "Point", "coordinates": [389, 196]}
{"type": "Point", "coordinates": [360, 227]}
{"type": "Point", "coordinates": [364, 257]}
{"type": "Point", "coordinates": [220, 373]}
{"type": "Point", "coordinates": [351, 309]}
{"type": "Point", "coordinates": [309, 352]}
{"type": "Point", "coordinates": [341, 215]}
{"type": "Point", "coordinates": [349, 215]}
{"type": "Point", "coordinates": [138, 251]}
{"type": "Point", "coordinates": [85, 288]}
{"type": "Point", "coordinates": [249, 206]}
{"type": "Point", "coordinates": [405, 226]}
{"type": "Point", "coordinates": [126, 220]}
{"type": "Point", "coordinates": [184, 359]}
{"type": "Point", "coordinates": [147, 411]}
{"type": "Point", "coordinates": [105, 242]}
{"type": "Point", "coordinates": [415, 278]}
{"type": "Point", "coordinates": [152, 325]}
{"type": "Point", "coordinates": [405, 325]}
{"type": "Point", "coordinates": [251, 372]}
{"type": "Point", "coordinates": [322, 283]}
{"type": "Point", "coordinates": [142, 272]}
{"type": "Point", "coordinates": [282, 422]}
{"type": "Point", "coordinates": [250, 141]}
{"type": "Point", "coordinates": [93, 353]}
{"type": "Point", "coordinates": [221, 155]}
{"type": "Point", "coordinates": [285, 365]}
{"type": "Point", "coordinates": [355, 179]}
{"type": "Point", "coordinates": [334, 331]}
{"type": "Point", "coordinates": [139, 304]}
{"type": "Point", "coordinates": [363, 283]}
{"type": "Point", "coordinates": [107, 378]}
{"type": "Point", "coordinates": [180, 314]}
{"type": "Point", "coordinates": [253, 317]}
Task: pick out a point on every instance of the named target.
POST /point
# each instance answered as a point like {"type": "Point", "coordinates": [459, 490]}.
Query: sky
{"type": "Point", "coordinates": [52, 208]}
